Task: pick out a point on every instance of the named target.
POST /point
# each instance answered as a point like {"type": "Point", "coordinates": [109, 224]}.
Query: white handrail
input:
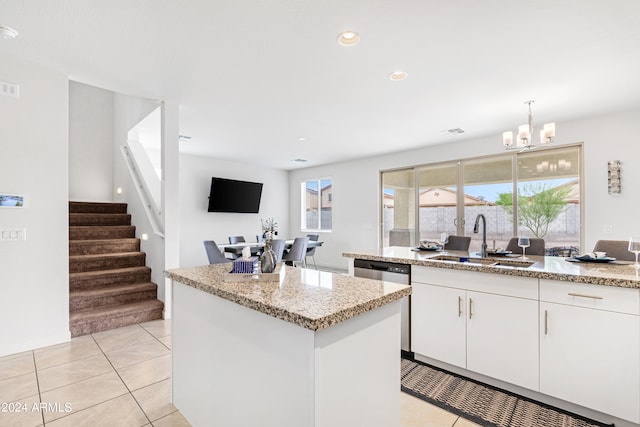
{"type": "Point", "coordinates": [154, 215]}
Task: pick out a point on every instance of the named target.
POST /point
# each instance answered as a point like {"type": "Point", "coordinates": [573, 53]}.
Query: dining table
{"type": "Point", "coordinates": [256, 247]}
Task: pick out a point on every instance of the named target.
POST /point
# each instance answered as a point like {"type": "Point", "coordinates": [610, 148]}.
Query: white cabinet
{"type": "Point", "coordinates": [589, 346]}
{"type": "Point", "coordinates": [502, 338]}
{"type": "Point", "coordinates": [486, 323]}
{"type": "Point", "coordinates": [438, 323]}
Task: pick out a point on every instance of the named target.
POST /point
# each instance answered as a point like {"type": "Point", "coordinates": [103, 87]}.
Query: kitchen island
{"type": "Point", "coordinates": [312, 349]}
{"type": "Point", "coordinates": [561, 332]}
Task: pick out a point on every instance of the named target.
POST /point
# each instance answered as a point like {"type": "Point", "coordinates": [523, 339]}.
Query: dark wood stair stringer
{"type": "Point", "coordinates": [109, 284]}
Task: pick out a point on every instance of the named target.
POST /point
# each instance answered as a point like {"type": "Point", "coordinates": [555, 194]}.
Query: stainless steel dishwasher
{"type": "Point", "coordinates": [390, 272]}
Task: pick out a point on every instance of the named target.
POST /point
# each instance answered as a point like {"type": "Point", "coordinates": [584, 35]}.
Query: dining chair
{"type": "Point", "coordinates": [458, 243]}
{"type": "Point", "coordinates": [236, 239]}
{"type": "Point", "coordinates": [311, 252]}
{"type": "Point", "coordinates": [214, 253]}
{"type": "Point", "coordinates": [618, 249]}
{"type": "Point", "coordinates": [297, 252]}
{"type": "Point", "coordinates": [277, 246]}
{"type": "Point", "coordinates": [536, 246]}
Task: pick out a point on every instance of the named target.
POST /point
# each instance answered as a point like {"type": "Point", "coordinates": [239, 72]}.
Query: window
{"type": "Point", "coordinates": [531, 193]}
{"type": "Point", "coordinates": [317, 204]}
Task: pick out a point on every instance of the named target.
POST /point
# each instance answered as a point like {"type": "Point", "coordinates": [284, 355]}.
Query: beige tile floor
{"type": "Point", "coordinates": [121, 378]}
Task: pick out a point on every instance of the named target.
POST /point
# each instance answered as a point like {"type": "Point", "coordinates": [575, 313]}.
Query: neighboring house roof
{"type": "Point", "coordinates": [447, 197]}
{"type": "Point", "coordinates": [574, 193]}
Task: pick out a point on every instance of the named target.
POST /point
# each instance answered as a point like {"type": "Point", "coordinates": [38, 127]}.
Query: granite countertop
{"type": "Point", "coordinates": [308, 298]}
{"type": "Point", "coordinates": [545, 267]}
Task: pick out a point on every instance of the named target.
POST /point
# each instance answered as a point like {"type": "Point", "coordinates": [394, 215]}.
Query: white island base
{"type": "Point", "coordinates": [234, 366]}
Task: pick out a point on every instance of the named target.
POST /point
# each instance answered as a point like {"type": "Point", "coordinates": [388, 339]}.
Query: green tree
{"type": "Point", "coordinates": [538, 206]}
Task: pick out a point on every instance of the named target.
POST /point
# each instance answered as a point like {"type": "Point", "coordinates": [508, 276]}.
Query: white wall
{"type": "Point", "coordinates": [356, 212]}
{"type": "Point", "coordinates": [196, 224]}
{"type": "Point", "coordinates": [34, 306]}
{"type": "Point", "coordinates": [90, 142]}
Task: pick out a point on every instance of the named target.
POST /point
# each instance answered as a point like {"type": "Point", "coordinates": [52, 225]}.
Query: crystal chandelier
{"type": "Point", "coordinates": [523, 141]}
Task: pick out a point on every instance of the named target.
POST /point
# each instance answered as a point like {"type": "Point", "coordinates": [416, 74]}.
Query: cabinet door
{"type": "Point", "coordinates": [591, 357]}
{"type": "Point", "coordinates": [502, 338]}
{"type": "Point", "coordinates": [438, 323]}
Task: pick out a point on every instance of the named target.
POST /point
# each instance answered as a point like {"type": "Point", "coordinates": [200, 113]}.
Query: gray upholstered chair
{"type": "Point", "coordinates": [458, 243]}
{"type": "Point", "coordinates": [236, 239]}
{"type": "Point", "coordinates": [277, 246]}
{"type": "Point", "coordinates": [311, 252]}
{"type": "Point", "coordinates": [618, 249]}
{"type": "Point", "coordinates": [298, 252]}
{"type": "Point", "coordinates": [214, 253]}
{"type": "Point", "coordinates": [536, 246]}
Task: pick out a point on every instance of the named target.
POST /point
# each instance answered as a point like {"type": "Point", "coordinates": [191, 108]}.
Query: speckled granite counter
{"type": "Point", "coordinates": [553, 268]}
{"type": "Point", "coordinates": [308, 298]}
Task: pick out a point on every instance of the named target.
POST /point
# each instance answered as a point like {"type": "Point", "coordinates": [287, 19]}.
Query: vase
{"type": "Point", "coordinates": [268, 260]}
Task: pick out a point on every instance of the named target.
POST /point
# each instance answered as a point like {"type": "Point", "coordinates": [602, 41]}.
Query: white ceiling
{"type": "Point", "coordinates": [253, 76]}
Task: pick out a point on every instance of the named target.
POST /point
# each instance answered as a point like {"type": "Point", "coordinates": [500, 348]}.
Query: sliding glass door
{"type": "Point", "coordinates": [532, 193]}
{"type": "Point", "coordinates": [484, 180]}
{"type": "Point", "coordinates": [548, 204]}
{"type": "Point", "coordinates": [398, 207]}
{"type": "Point", "coordinates": [438, 201]}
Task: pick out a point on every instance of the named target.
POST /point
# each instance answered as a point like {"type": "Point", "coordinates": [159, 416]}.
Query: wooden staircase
{"type": "Point", "coordinates": [109, 284]}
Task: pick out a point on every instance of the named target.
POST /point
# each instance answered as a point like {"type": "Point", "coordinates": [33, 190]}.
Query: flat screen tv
{"type": "Point", "coordinates": [230, 195]}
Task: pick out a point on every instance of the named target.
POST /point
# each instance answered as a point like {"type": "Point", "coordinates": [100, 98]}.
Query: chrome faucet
{"type": "Point", "coordinates": [483, 250]}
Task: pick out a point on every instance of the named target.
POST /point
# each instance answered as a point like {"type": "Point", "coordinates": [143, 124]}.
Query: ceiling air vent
{"type": "Point", "coordinates": [454, 131]}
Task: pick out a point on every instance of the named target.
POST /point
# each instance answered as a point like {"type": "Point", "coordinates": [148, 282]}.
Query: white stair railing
{"type": "Point", "coordinates": [141, 175]}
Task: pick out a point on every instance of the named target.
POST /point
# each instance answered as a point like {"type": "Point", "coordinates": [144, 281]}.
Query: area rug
{"type": "Point", "coordinates": [481, 403]}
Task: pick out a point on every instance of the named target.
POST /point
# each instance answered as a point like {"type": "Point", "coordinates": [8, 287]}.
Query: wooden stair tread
{"type": "Point", "coordinates": [97, 207]}
{"type": "Point", "coordinates": [100, 219]}
{"type": "Point", "coordinates": [98, 314]}
{"type": "Point", "coordinates": [105, 256]}
{"type": "Point", "coordinates": [114, 271]}
{"type": "Point", "coordinates": [108, 290]}
{"type": "Point", "coordinates": [78, 233]}
{"type": "Point", "coordinates": [103, 246]}
{"type": "Point", "coordinates": [90, 242]}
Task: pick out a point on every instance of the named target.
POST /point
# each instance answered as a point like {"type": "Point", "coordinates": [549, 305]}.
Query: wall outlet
{"type": "Point", "coordinates": [10, 89]}
{"type": "Point", "coordinates": [608, 228]}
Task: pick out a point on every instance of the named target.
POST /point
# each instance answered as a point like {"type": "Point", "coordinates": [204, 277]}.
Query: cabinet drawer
{"type": "Point", "coordinates": [501, 284]}
{"type": "Point", "coordinates": [610, 298]}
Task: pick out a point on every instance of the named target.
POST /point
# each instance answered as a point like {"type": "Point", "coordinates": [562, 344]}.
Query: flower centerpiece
{"type": "Point", "coordinates": [269, 227]}
{"type": "Point", "coordinates": [268, 257]}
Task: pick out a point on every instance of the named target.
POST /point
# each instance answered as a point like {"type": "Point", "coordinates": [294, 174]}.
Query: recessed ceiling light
{"type": "Point", "coordinates": [348, 38]}
{"type": "Point", "coordinates": [8, 32]}
{"type": "Point", "coordinates": [398, 75]}
{"type": "Point", "coordinates": [302, 139]}
{"type": "Point", "coordinates": [299, 160]}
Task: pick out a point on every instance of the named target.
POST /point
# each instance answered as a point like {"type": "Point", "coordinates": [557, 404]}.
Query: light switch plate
{"type": "Point", "coordinates": [10, 89]}
{"type": "Point", "coordinates": [7, 234]}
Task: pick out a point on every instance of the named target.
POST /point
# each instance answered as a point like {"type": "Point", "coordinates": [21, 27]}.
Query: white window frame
{"type": "Point", "coordinates": [303, 206]}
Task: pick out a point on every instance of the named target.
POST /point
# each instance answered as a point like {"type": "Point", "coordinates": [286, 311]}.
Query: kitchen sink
{"type": "Point", "coordinates": [493, 262]}
{"type": "Point", "coordinates": [513, 263]}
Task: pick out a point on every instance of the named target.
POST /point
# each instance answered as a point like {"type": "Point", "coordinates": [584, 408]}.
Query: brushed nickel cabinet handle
{"type": "Point", "coordinates": [546, 322]}
{"type": "Point", "coordinates": [584, 296]}
{"type": "Point", "coordinates": [459, 306]}
{"type": "Point", "coordinates": [470, 308]}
